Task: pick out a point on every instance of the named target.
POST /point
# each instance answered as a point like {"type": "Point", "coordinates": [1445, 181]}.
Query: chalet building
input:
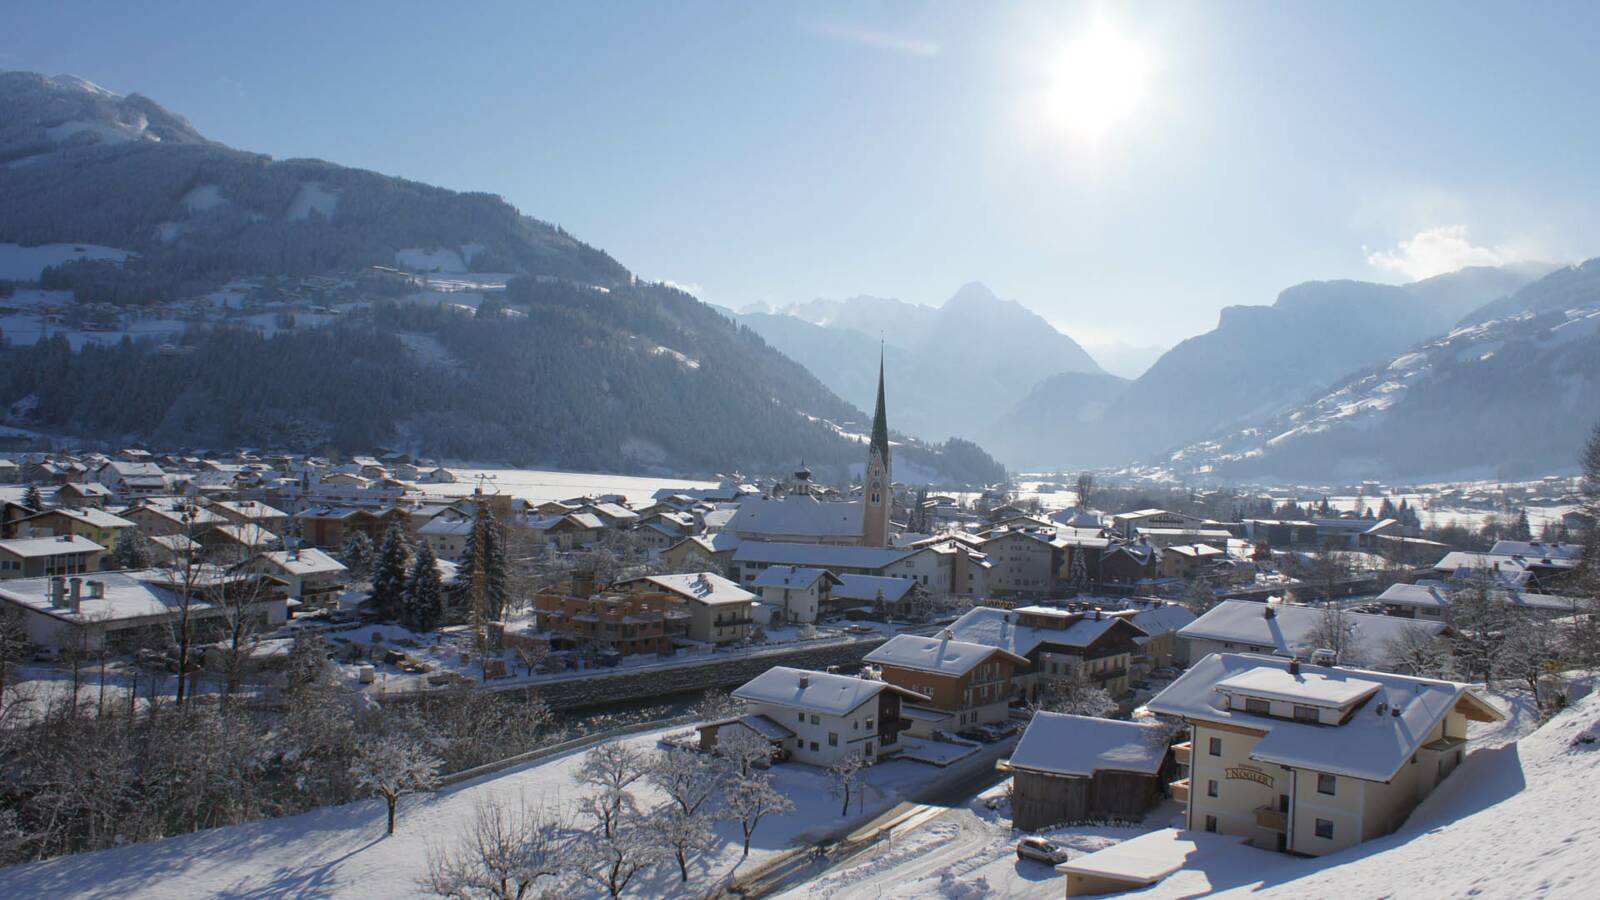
{"type": "Point", "coordinates": [1077, 768]}
{"type": "Point", "coordinates": [1161, 647]}
{"type": "Point", "coordinates": [1056, 642]}
{"type": "Point", "coordinates": [133, 479]}
{"type": "Point", "coordinates": [84, 495]}
{"type": "Point", "coordinates": [791, 595]}
{"type": "Point", "coordinates": [308, 574]}
{"type": "Point", "coordinates": [1127, 565]}
{"type": "Point", "coordinates": [446, 534]}
{"type": "Point", "coordinates": [331, 527]}
{"type": "Point", "coordinates": [752, 557]}
{"type": "Point", "coordinates": [1312, 759]}
{"type": "Point", "coordinates": [878, 596]}
{"type": "Point", "coordinates": [720, 612]}
{"type": "Point", "coordinates": [580, 617]}
{"type": "Point", "coordinates": [1288, 630]}
{"type": "Point", "coordinates": [831, 716]}
{"type": "Point", "coordinates": [966, 684]}
{"type": "Point", "coordinates": [1190, 561]}
{"type": "Point", "coordinates": [128, 609]}
{"type": "Point", "coordinates": [568, 531]}
{"type": "Point", "coordinates": [1428, 601]}
{"type": "Point", "coordinates": [1127, 524]}
{"type": "Point", "coordinates": [237, 542]}
{"type": "Point", "coordinates": [66, 554]}
{"type": "Point", "coordinates": [714, 551]}
{"type": "Point", "coordinates": [159, 516]}
{"type": "Point", "coordinates": [97, 525]}
{"type": "Point", "coordinates": [1024, 563]}
{"type": "Point", "coordinates": [251, 512]}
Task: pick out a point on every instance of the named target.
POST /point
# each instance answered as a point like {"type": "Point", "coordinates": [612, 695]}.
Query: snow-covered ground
{"type": "Point", "coordinates": [19, 263]}
{"type": "Point", "coordinates": [342, 851]}
{"type": "Point", "coordinates": [969, 852]}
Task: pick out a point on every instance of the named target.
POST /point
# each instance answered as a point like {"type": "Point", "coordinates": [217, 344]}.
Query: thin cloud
{"type": "Point", "coordinates": [691, 288]}
{"type": "Point", "coordinates": [878, 40]}
{"type": "Point", "coordinates": [1438, 250]}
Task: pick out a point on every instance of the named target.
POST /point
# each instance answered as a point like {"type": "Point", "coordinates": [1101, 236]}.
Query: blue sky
{"type": "Point", "coordinates": [773, 152]}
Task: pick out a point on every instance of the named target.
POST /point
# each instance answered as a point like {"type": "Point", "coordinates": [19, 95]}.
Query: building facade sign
{"type": "Point", "coordinates": [1245, 774]}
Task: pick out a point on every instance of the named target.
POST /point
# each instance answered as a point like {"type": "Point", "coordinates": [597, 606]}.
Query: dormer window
{"type": "Point", "coordinates": [1306, 714]}
{"type": "Point", "coordinates": [1258, 707]}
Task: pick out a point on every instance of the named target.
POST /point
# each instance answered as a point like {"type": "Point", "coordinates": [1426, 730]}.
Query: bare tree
{"type": "Point", "coordinates": [1416, 650]}
{"type": "Point", "coordinates": [689, 781]}
{"type": "Point", "coordinates": [1530, 651]}
{"type": "Point", "coordinates": [743, 750]}
{"type": "Point", "coordinates": [753, 798]}
{"type": "Point", "coordinates": [845, 779]}
{"type": "Point", "coordinates": [185, 579]}
{"type": "Point", "coordinates": [611, 860]}
{"type": "Point", "coordinates": [393, 764]}
{"type": "Point", "coordinates": [1074, 692]}
{"type": "Point", "coordinates": [504, 855]}
{"type": "Point", "coordinates": [1085, 490]}
{"type": "Point", "coordinates": [611, 769]}
{"type": "Point", "coordinates": [1336, 631]}
{"type": "Point", "coordinates": [1478, 616]}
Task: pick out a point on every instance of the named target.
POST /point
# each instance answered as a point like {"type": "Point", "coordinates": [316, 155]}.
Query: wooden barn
{"type": "Point", "coordinates": [1073, 768]}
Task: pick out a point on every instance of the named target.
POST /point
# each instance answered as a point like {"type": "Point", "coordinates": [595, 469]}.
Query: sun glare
{"type": "Point", "coordinates": [1096, 83]}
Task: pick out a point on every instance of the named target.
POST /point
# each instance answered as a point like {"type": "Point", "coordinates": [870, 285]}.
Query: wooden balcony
{"type": "Point", "coordinates": [1272, 817]}
{"type": "Point", "coordinates": [1180, 790]}
{"type": "Point", "coordinates": [1181, 753]}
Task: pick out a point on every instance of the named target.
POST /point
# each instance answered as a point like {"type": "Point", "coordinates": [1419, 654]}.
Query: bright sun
{"type": "Point", "coordinates": [1096, 82]}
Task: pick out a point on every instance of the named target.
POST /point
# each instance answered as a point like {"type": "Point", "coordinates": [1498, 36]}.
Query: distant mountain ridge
{"type": "Point", "coordinates": [958, 359]}
{"type": "Point", "coordinates": [579, 364]}
{"type": "Point", "coordinates": [1512, 392]}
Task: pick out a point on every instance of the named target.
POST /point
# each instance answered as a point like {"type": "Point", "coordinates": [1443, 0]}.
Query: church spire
{"type": "Point", "coordinates": [880, 420]}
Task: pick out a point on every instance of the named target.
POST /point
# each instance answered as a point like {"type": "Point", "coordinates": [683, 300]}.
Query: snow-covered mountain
{"type": "Point", "coordinates": [952, 362]}
{"type": "Point", "coordinates": [1511, 392]}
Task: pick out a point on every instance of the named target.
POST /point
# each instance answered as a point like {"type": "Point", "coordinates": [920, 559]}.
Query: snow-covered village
{"type": "Point", "coordinates": [367, 538]}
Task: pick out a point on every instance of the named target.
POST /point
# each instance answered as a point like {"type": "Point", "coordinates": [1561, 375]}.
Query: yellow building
{"type": "Point", "coordinates": [1312, 759]}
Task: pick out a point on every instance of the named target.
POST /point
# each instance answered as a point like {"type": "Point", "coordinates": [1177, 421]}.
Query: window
{"type": "Point", "coordinates": [813, 746]}
{"type": "Point", "coordinates": [1325, 784]}
{"type": "Point", "coordinates": [1211, 788]}
{"type": "Point", "coordinates": [871, 722]}
{"type": "Point", "coordinates": [833, 739]}
{"type": "Point", "coordinates": [815, 720]}
{"type": "Point", "coordinates": [1325, 829]}
{"type": "Point", "coordinates": [1214, 746]}
{"type": "Point", "coordinates": [1257, 707]}
{"type": "Point", "coordinates": [802, 718]}
{"type": "Point", "coordinates": [1306, 714]}
{"type": "Point", "coordinates": [1211, 823]}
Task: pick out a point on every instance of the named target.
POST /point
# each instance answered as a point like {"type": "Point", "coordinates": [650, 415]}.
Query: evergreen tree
{"type": "Point", "coordinates": [481, 583]}
{"type": "Point", "coordinates": [33, 499]}
{"type": "Point", "coordinates": [357, 554]}
{"type": "Point", "coordinates": [424, 593]}
{"type": "Point", "coordinates": [1520, 530]}
{"type": "Point", "coordinates": [1386, 509]}
{"type": "Point", "coordinates": [132, 550]}
{"type": "Point", "coordinates": [389, 575]}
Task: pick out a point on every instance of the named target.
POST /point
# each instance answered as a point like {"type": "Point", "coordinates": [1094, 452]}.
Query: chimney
{"type": "Point", "coordinates": [1268, 612]}
{"type": "Point", "coordinates": [77, 593]}
{"type": "Point", "coordinates": [1294, 667]}
{"type": "Point", "coordinates": [1394, 711]}
{"type": "Point", "coordinates": [1097, 613]}
{"type": "Point", "coordinates": [58, 591]}
{"type": "Point", "coordinates": [805, 681]}
{"type": "Point", "coordinates": [97, 590]}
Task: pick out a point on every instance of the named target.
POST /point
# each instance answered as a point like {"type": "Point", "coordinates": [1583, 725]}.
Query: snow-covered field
{"type": "Point", "coordinates": [342, 851]}
{"type": "Point", "coordinates": [19, 263]}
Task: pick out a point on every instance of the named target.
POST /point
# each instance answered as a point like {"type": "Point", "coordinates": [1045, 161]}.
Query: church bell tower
{"type": "Point", "coordinates": [877, 496]}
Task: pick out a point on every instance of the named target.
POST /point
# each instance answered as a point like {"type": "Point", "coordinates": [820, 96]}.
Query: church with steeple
{"type": "Point", "coordinates": [877, 495]}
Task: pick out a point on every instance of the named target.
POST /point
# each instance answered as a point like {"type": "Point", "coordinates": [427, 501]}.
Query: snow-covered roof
{"type": "Point", "coordinates": [1463, 562]}
{"type": "Point", "coordinates": [134, 594]}
{"type": "Point", "coordinates": [305, 561]}
{"type": "Point", "coordinates": [999, 628]}
{"type": "Point", "coordinates": [440, 526]}
{"type": "Point", "coordinates": [1308, 687]}
{"type": "Point", "coordinates": [701, 587]}
{"type": "Point", "coordinates": [794, 577]}
{"type": "Point", "coordinates": [930, 654]}
{"type": "Point", "coordinates": [1063, 744]}
{"type": "Point", "coordinates": [250, 509]}
{"type": "Point", "coordinates": [1291, 630]}
{"type": "Point", "coordinates": [1365, 745]}
{"type": "Point", "coordinates": [1538, 549]}
{"type": "Point", "coordinates": [97, 518]}
{"type": "Point", "coordinates": [1432, 595]}
{"type": "Point", "coordinates": [821, 692]}
{"type": "Point", "coordinates": [825, 556]}
{"type": "Point", "coordinates": [720, 542]}
{"type": "Point", "coordinates": [1148, 858]}
{"type": "Point", "coordinates": [799, 515]}
{"type": "Point", "coordinates": [248, 535]}
{"type": "Point", "coordinates": [32, 548]}
{"type": "Point", "coordinates": [1163, 619]}
{"type": "Point", "coordinates": [870, 587]}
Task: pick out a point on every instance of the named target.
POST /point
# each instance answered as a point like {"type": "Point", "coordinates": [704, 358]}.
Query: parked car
{"type": "Point", "coordinates": [1042, 850]}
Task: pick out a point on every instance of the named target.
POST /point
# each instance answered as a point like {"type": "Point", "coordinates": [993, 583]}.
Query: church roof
{"type": "Point", "coordinates": [880, 421]}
